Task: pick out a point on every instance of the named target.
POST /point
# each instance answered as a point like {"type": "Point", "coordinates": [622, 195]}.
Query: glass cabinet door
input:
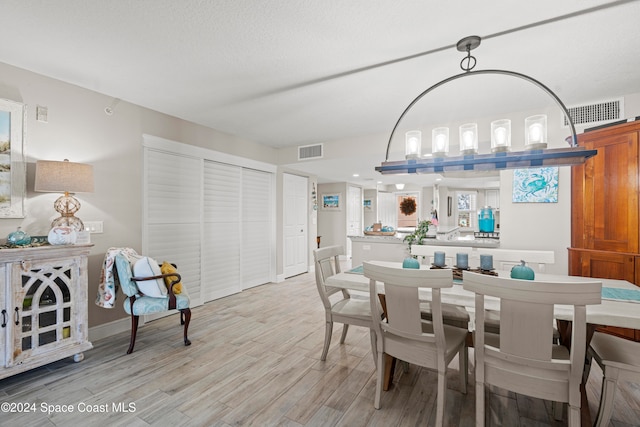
{"type": "Point", "coordinates": [43, 296]}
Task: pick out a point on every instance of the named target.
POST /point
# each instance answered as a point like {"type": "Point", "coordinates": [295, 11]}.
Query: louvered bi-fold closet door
{"type": "Point", "coordinates": [221, 230]}
{"type": "Point", "coordinates": [173, 206]}
{"type": "Point", "coordinates": [257, 226]}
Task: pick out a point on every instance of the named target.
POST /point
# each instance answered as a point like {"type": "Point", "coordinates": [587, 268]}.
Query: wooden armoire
{"type": "Point", "coordinates": [605, 238]}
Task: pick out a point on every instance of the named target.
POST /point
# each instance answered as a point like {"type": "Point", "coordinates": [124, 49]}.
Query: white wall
{"type": "Point", "coordinates": [79, 129]}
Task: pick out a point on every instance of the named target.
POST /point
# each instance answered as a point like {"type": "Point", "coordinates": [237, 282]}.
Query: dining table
{"type": "Point", "coordinates": [620, 305]}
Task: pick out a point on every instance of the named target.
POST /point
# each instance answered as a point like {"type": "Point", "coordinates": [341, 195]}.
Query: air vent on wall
{"type": "Point", "coordinates": [595, 113]}
{"type": "Point", "coordinates": [306, 152]}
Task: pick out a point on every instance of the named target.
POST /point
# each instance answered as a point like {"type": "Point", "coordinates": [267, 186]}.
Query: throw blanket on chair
{"type": "Point", "coordinates": [108, 277]}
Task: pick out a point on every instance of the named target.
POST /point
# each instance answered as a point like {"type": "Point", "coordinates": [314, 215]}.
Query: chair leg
{"type": "Point", "coordinates": [463, 357]}
{"type": "Point", "coordinates": [380, 380]}
{"type": "Point", "coordinates": [556, 408]}
{"type": "Point", "coordinates": [479, 404]}
{"type": "Point", "coordinates": [605, 410]}
{"type": "Point", "coordinates": [186, 313]}
{"type": "Point", "coordinates": [345, 329]}
{"type": "Point", "coordinates": [573, 416]}
{"type": "Point", "coordinates": [327, 339]}
{"type": "Point", "coordinates": [374, 347]}
{"type": "Point", "coordinates": [134, 330]}
{"type": "Point", "coordinates": [441, 398]}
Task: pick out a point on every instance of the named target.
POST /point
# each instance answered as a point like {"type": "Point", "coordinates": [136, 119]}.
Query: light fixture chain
{"type": "Point", "coordinates": [469, 59]}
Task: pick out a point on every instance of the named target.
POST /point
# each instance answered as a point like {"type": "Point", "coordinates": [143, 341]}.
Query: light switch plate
{"type": "Point", "coordinates": [93, 227]}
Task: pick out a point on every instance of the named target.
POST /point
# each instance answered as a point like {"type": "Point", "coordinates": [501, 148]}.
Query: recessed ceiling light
{"type": "Point", "coordinates": [355, 175]}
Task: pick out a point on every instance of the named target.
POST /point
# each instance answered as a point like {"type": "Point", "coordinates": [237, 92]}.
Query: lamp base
{"type": "Point", "coordinates": [66, 206]}
{"type": "Point", "coordinates": [68, 221]}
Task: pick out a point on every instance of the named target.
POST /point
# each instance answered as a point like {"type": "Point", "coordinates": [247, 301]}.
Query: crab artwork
{"type": "Point", "coordinates": [535, 185]}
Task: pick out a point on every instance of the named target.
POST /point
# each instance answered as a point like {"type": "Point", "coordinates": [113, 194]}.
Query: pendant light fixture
{"type": "Point", "coordinates": [501, 157]}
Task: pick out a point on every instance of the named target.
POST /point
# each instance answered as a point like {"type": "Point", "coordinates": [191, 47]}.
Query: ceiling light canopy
{"type": "Point", "coordinates": [501, 157]}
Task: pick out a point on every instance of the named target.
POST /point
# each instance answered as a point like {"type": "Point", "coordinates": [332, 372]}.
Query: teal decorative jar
{"type": "Point", "coordinates": [410, 262]}
{"type": "Point", "coordinates": [522, 271]}
{"type": "Point", "coordinates": [18, 238]}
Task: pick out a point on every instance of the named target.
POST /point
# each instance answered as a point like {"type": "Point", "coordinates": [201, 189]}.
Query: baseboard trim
{"type": "Point", "coordinates": [111, 328]}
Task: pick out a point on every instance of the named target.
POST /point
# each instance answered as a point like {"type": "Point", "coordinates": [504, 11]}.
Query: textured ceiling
{"type": "Point", "coordinates": [284, 73]}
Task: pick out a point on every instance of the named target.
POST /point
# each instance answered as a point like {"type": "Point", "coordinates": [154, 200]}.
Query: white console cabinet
{"type": "Point", "coordinates": [43, 302]}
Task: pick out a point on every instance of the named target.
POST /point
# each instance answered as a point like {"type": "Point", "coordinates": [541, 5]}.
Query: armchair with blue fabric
{"type": "Point", "coordinates": [141, 302]}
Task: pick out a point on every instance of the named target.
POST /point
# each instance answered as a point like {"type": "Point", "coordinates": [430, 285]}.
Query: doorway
{"type": "Point", "coordinates": [295, 224]}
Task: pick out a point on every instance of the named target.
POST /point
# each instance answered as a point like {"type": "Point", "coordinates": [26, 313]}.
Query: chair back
{"type": "Point", "coordinates": [526, 329]}
{"type": "Point", "coordinates": [125, 273]}
{"type": "Point", "coordinates": [327, 263]}
{"type": "Point", "coordinates": [402, 299]}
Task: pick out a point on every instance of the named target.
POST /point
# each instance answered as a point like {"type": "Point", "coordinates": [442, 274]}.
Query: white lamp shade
{"type": "Point", "coordinates": [413, 144]}
{"type": "Point", "coordinates": [500, 135]}
{"type": "Point", "coordinates": [469, 138]}
{"type": "Point", "coordinates": [440, 141]}
{"type": "Point", "coordinates": [535, 128]}
{"type": "Point", "coordinates": [65, 176]}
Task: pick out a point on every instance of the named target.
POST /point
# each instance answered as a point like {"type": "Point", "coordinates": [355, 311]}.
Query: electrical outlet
{"type": "Point", "coordinates": [93, 227]}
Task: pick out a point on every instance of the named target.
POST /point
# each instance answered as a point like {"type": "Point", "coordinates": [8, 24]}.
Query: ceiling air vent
{"type": "Point", "coordinates": [599, 112]}
{"type": "Point", "coordinates": [306, 152]}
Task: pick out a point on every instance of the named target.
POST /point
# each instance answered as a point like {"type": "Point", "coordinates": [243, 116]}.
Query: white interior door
{"type": "Point", "coordinates": [295, 195]}
{"type": "Point", "coordinates": [354, 214]}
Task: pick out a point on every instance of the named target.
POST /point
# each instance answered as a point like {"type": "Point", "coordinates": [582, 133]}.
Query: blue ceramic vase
{"type": "Point", "coordinates": [410, 262]}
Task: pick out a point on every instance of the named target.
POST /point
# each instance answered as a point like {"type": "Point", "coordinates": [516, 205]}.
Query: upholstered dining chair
{"type": "Point", "coordinates": [342, 309]}
{"type": "Point", "coordinates": [523, 357]}
{"type": "Point", "coordinates": [154, 298]}
{"type": "Point", "coordinates": [406, 335]}
{"type": "Point", "coordinates": [620, 361]}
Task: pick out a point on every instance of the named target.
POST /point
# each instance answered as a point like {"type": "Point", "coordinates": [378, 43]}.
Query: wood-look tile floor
{"type": "Point", "coordinates": [255, 361]}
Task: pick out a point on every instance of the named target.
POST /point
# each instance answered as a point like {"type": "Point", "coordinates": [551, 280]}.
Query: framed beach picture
{"type": "Point", "coordinates": [331, 202]}
{"type": "Point", "coordinates": [13, 174]}
{"type": "Point", "coordinates": [367, 204]}
{"type": "Point", "coordinates": [535, 185]}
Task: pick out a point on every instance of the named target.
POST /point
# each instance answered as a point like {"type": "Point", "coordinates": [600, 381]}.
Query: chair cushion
{"type": "Point", "coordinates": [149, 305]}
{"type": "Point", "coordinates": [168, 268]}
{"type": "Point", "coordinates": [146, 267]}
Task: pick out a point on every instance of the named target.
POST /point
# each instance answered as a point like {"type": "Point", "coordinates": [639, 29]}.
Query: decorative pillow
{"type": "Point", "coordinates": [146, 267]}
{"type": "Point", "coordinates": [168, 268]}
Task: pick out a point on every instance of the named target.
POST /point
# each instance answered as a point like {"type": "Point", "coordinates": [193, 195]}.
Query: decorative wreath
{"type": "Point", "coordinates": [408, 206]}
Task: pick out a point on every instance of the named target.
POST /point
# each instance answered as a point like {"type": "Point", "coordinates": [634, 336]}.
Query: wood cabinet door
{"type": "Point", "coordinates": [605, 194]}
{"type": "Point", "coordinates": [604, 265]}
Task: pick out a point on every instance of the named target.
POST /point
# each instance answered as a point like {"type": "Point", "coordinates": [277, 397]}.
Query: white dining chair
{"type": "Point", "coordinates": [341, 309]}
{"type": "Point", "coordinates": [406, 335]}
{"type": "Point", "coordinates": [620, 361]}
{"type": "Point", "coordinates": [523, 357]}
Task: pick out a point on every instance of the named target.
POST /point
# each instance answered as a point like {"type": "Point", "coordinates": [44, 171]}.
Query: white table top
{"type": "Point", "coordinates": [609, 312]}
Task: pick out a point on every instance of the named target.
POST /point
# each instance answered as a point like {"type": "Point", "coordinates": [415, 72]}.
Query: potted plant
{"type": "Point", "coordinates": [420, 233]}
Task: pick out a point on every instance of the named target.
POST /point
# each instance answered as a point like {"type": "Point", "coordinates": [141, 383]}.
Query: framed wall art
{"type": "Point", "coordinates": [331, 202]}
{"type": "Point", "coordinates": [535, 185]}
{"type": "Point", "coordinates": [13, 175]}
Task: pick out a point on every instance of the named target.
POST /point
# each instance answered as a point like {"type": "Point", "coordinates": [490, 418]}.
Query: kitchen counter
{"type": "Point", "coordinates": [393, 248]}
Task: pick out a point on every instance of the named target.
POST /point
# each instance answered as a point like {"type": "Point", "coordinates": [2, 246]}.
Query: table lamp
{"type": "Point", "coordinates": [64, 177]}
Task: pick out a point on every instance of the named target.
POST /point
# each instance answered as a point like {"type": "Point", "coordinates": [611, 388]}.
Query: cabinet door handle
{"type": "Point", "coordinates": [17, 314]}
{"type": "Point", "coordinates": [4, 318]}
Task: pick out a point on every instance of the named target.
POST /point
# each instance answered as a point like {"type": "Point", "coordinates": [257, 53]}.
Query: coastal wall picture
{"type": "Point", "coordinates": [12, 164]}
{"type": "Point", "coordinates": [535, 185]}
{"type": "Point", "coordinates": [331, 202]}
